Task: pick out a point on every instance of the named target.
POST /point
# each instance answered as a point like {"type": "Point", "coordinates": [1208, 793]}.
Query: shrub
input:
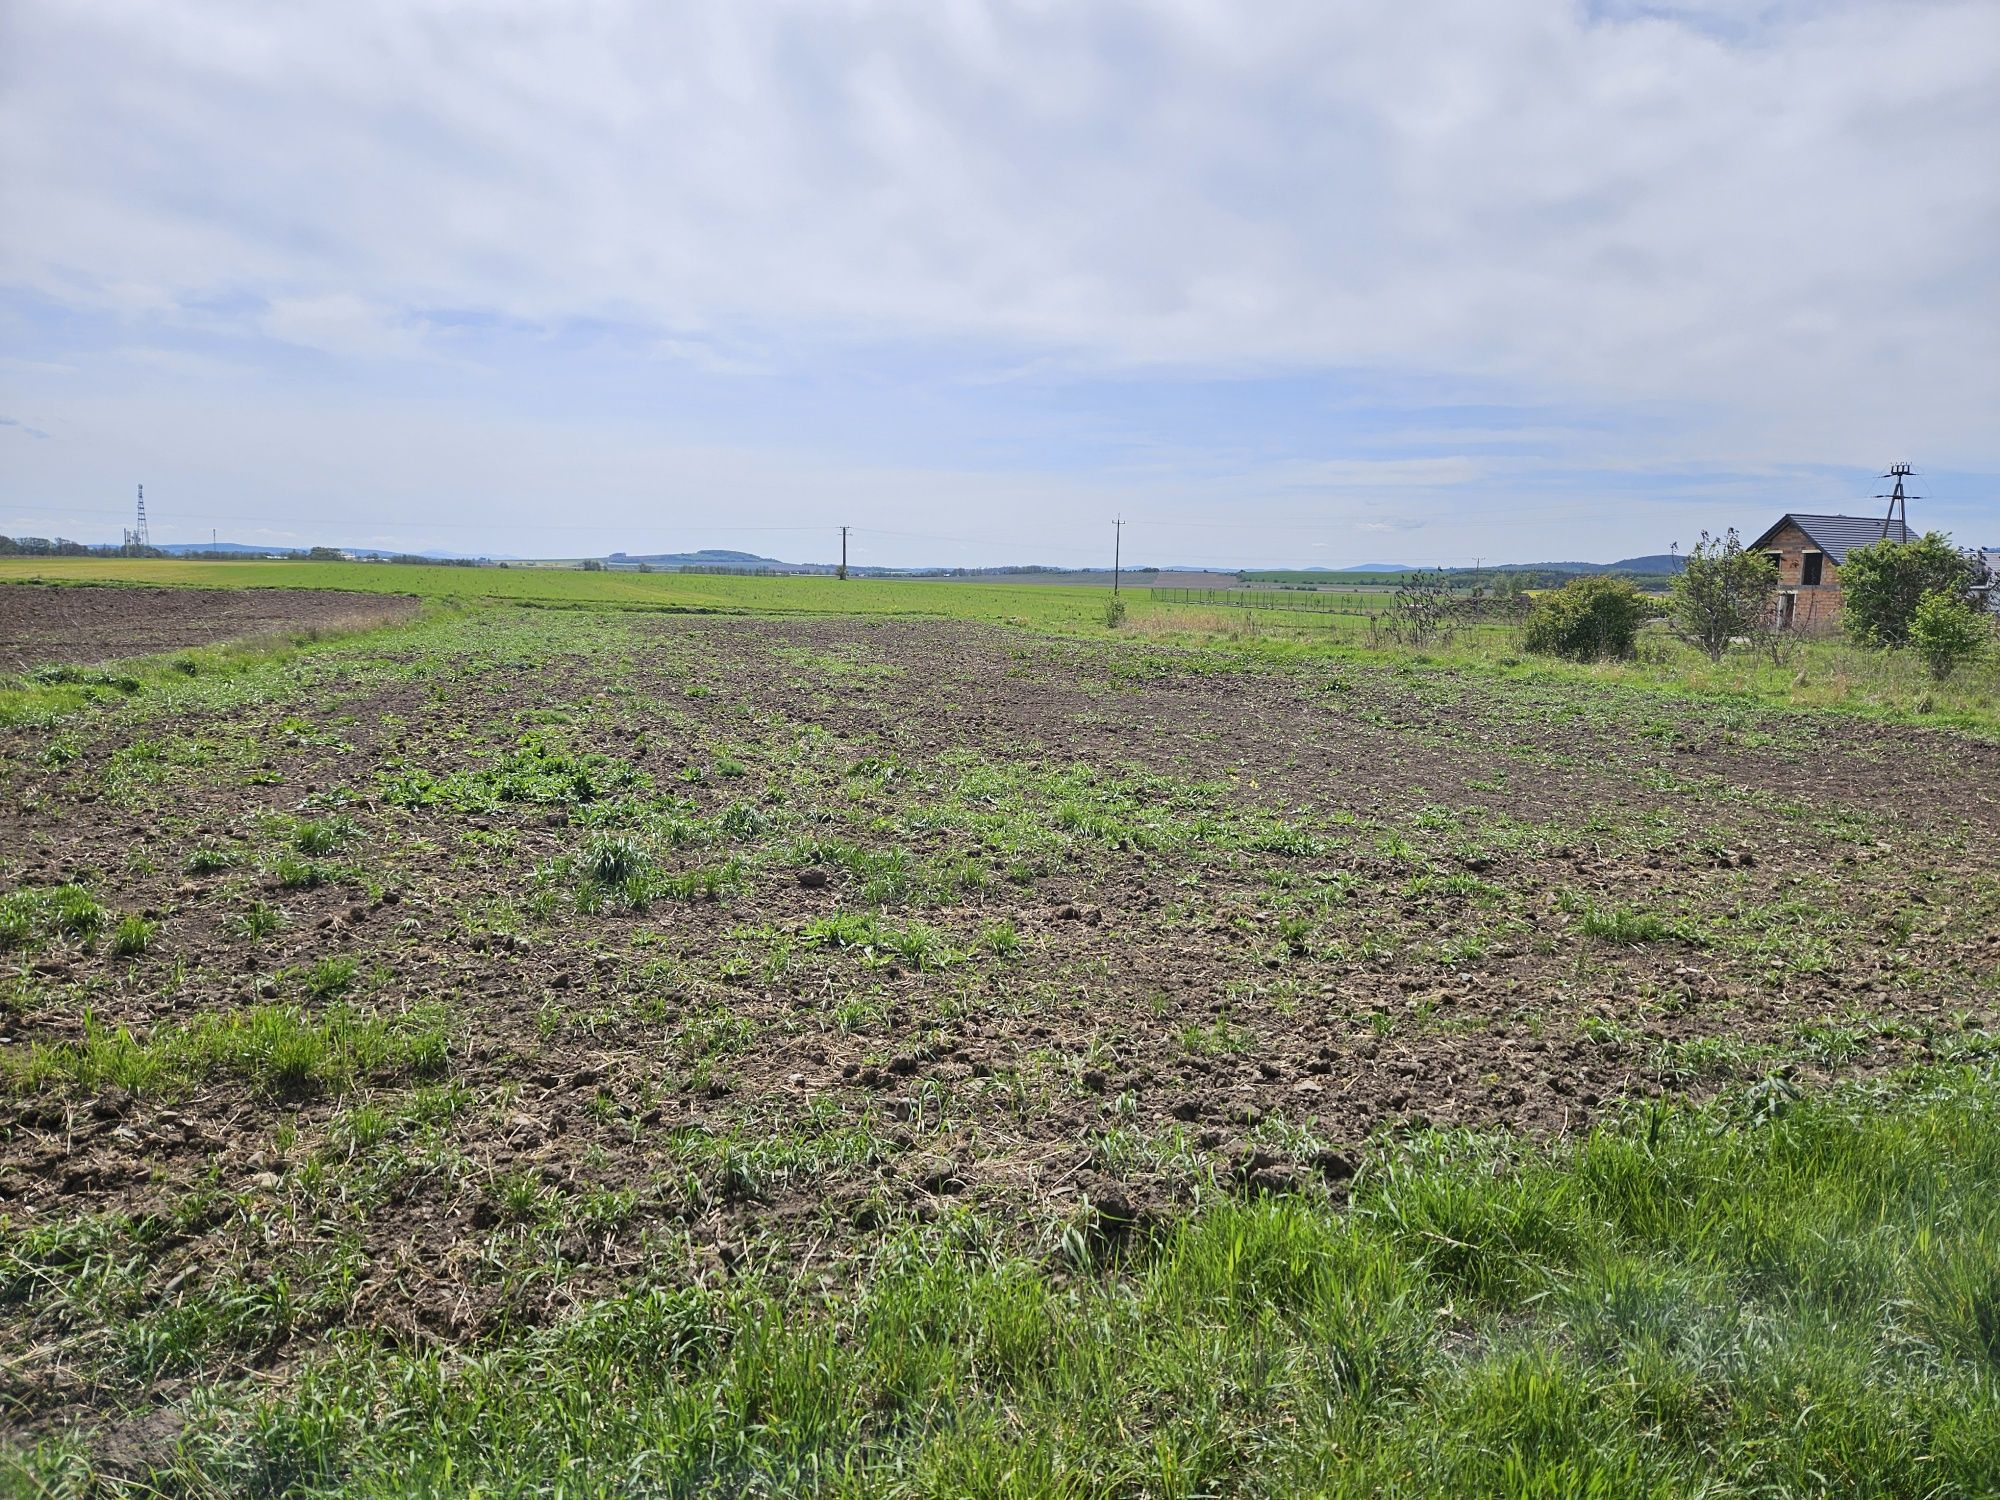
{"type": "Point", "coordinates": [1885, 581]}
{"type": "Point", "coordinates": [1114, 612]}
{"type": "Point", "coordinates": [1948, 633]}
{"type": "Point", "coordinates": [1587, 619]}
{"type": "Point", "coordinates": [1424, 611]}
{"type": "Point", "coordinates": [1721, 593]}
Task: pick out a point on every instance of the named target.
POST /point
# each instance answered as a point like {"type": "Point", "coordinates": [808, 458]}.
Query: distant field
{"type": "Point", "coordinates": [1827, 674]}
{"type": "Point", "coordinates": [1045, 605]}
{"type": "Point", "coordinates": [1298, 577]}
{"type": "Point", "coordinates": [50, 623]}
{"type": "Point", "coordinates": [1331, 618]}
{"type": "Point", "coordinates": [1268, 597]}
{"type": "Point", "coordinates": [1324, 580]}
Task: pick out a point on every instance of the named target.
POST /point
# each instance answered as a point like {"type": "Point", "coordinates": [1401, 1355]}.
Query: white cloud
{"type": "Point", "coordinates": [1380, 474]}
{"type": "Point", "coordinates": [1781, 218]}
{"type": "Point", "coordinates": [343, 324]}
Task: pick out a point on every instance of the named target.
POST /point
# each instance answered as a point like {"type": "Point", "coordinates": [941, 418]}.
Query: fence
{"type": "Point", "coordinates": [1324, 602]}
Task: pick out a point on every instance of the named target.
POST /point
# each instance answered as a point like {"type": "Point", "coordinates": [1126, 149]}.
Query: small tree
{"type": "Point", "coordinates": [1721, 592]}
{"type": "Point", "coordinates": [1587, 619]}
{"type": "Point", "coordinates": [1948, 633]}
{"type": "Point", "coordinates": [1885, 581]}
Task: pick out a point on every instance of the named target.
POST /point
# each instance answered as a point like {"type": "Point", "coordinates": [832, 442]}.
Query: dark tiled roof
{"type": "Point", "coordinates": [1837, 535]}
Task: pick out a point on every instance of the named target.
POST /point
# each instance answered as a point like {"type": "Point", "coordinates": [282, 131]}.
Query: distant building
{"type": "Point", "coordinates": [1988, 587]}
{"type": "Point", "coordinates": [1808, 551]}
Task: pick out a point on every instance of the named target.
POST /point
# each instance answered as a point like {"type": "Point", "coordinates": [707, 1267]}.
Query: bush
{"type": "Point", "coordinates": [1948, 633]}
{"type": "Point", "coordinates": [1114, 612]}
{"type": "Point", "coordinates": [1424, 611]}
{"type": "Point", "coordinates": [1721, 593]}
{"type": "Point", "coordinates": [1587, 619]}
{"type": "Point", "coordinates": [1885, 581]}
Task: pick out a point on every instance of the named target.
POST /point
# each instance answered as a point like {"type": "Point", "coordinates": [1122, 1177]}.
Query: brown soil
{"type": "Point", "coordinates": [42, 623]}
{"type": "Point", "coordinates": [1157, 1024]}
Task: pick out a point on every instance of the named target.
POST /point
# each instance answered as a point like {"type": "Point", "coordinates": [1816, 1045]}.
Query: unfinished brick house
{"type": "Point", "coordinates": [1809, 551]}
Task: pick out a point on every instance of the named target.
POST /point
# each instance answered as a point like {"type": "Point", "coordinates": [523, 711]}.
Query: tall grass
{"type": "Point", "coordinates": [1738, 1299]}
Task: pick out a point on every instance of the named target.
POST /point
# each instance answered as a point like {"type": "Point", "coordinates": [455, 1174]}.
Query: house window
{"type": "Point", "coordinates": [1776, 559]}
{"type": "Point", "coordinates": [1814, 561]}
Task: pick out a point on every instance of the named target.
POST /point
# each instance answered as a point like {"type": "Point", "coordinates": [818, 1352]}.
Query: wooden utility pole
{"type": "Point", "coordinates": [843, 552]}
{"type": "Point", "coordinates": [1117, 552]}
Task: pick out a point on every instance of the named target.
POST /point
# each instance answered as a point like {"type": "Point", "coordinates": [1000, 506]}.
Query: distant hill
{"type": "Point", "coordinates": [181, 549]}
{"type": "Point", "coordinates": [707, 557]}
{"type": "Point", "coordinates": [244, 549]}
{"type": "Point", "coordinates": [1652, 562]}
{"type": "Point", "coordinates": [724, 557]}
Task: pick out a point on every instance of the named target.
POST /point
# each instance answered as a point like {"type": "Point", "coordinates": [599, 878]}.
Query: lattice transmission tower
{"type": "Point", "coordinates": [139, 534]}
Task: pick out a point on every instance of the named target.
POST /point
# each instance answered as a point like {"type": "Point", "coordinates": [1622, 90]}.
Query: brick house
{"type": "Point", "coordinates": [1808, 551]}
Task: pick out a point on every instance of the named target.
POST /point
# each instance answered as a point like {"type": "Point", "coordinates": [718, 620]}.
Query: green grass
{"type": "Point", "coordinates": [277, 1048]}
{"type": "Point", "coordinates": [1731, 1300]}
{"type": "Point", "coordinates": [317, 836]}
{"type": "Point", "coordinates": [133, 936]}
{"type": "Point", "coordinates": [1629, 928]}
{"type": "Point", "coordinates": [256, 921]}
{"type": "Point", "coordinates": [210, 859]}
{"type": "Point", "coordinates": [1820, 674]}
{"type": "Point", "coordinates": [295, 874]}
{"type": "Point", "coordinates": [916, 943]}
{"type": "Point", "coordinates": [539, 769]}
{"type": "Point", "coordinates": [31, 917]}
{"type": "Point", "coordinates": [330, 976]}
{"type": "Point", "coordinates": [572, 588]}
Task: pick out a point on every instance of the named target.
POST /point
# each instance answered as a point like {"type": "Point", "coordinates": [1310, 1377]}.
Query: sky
{"type": "Point", "coordinates": [1284, 284]}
